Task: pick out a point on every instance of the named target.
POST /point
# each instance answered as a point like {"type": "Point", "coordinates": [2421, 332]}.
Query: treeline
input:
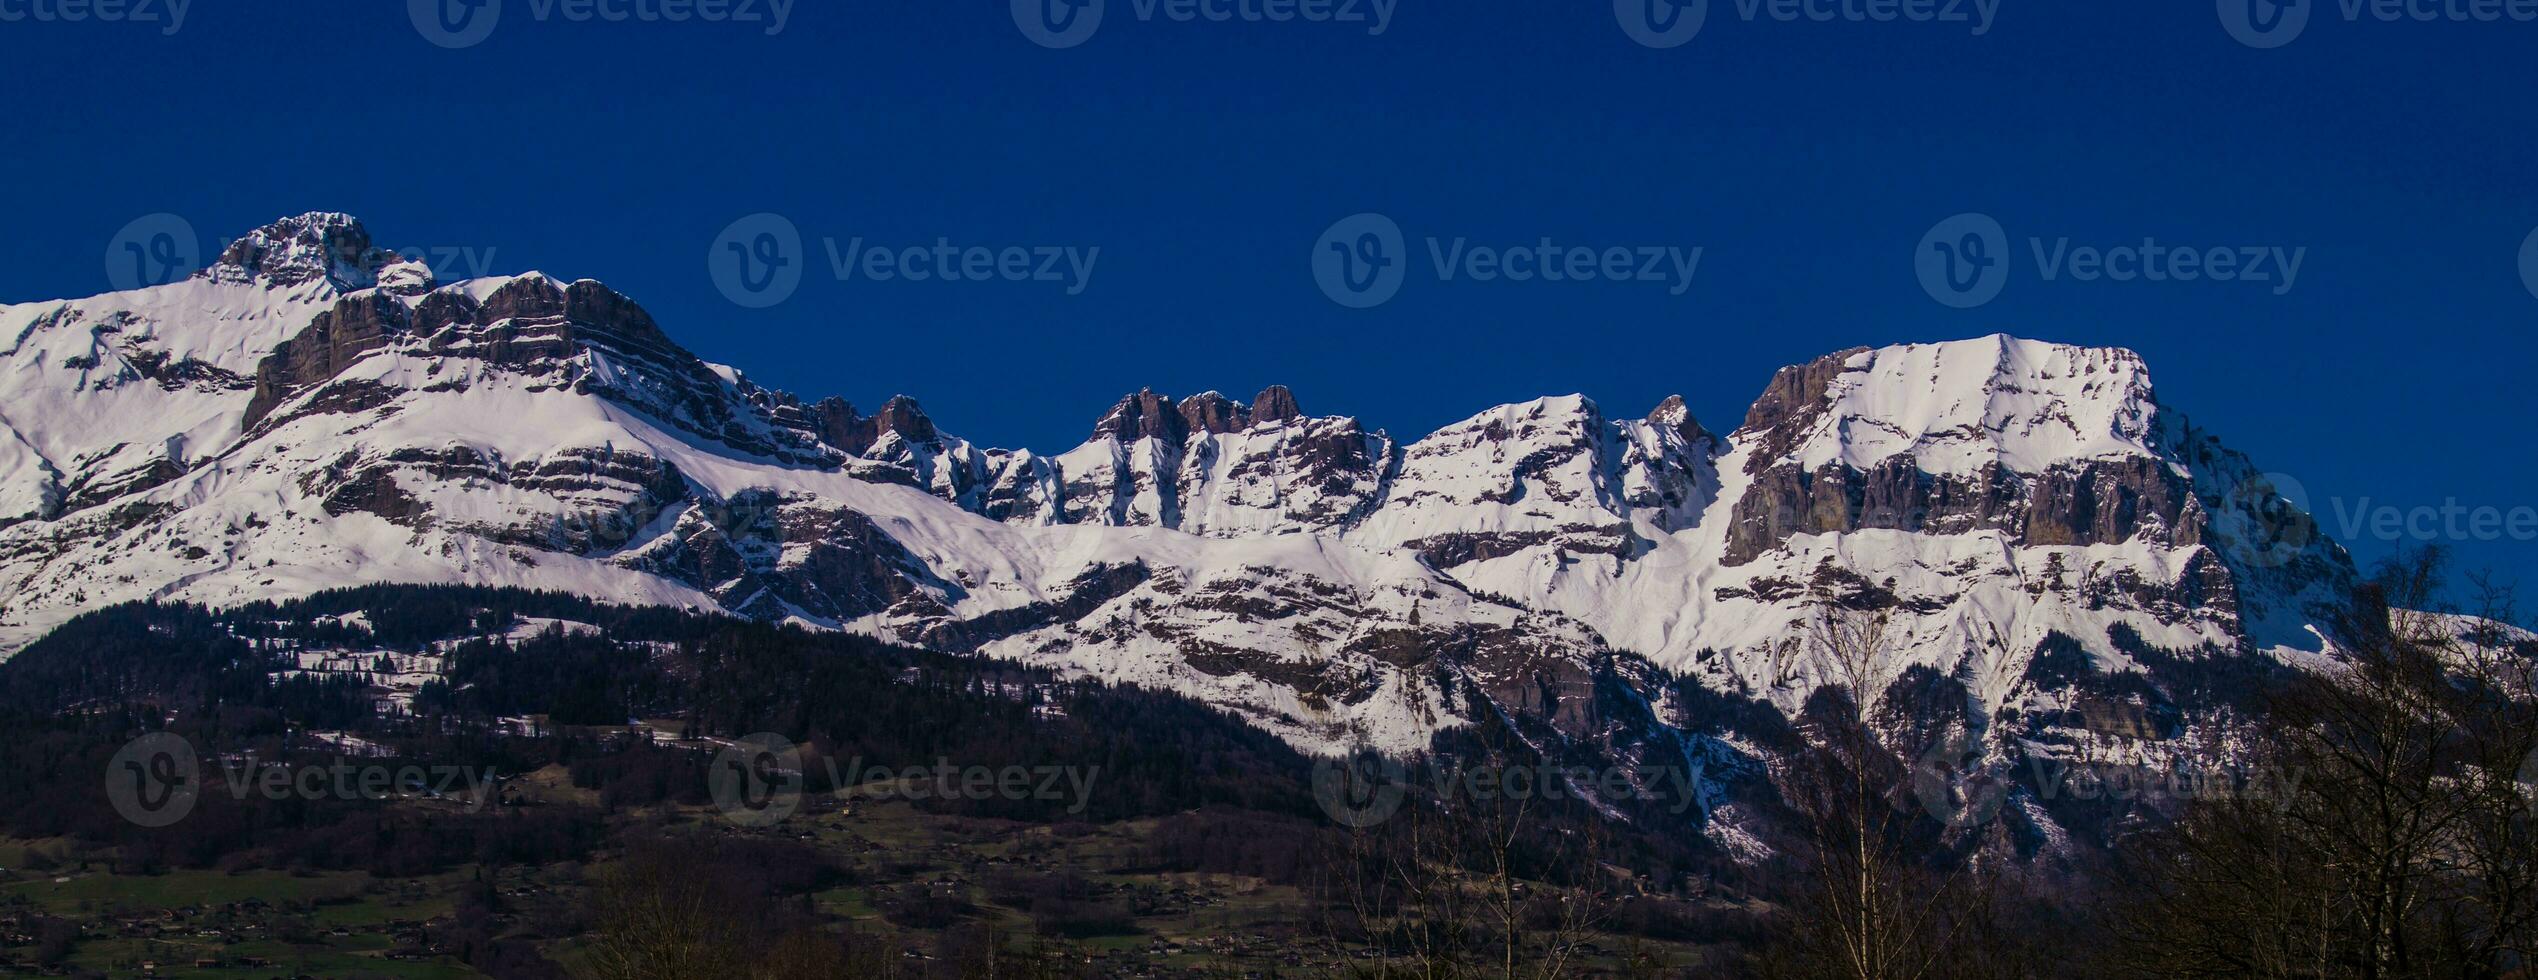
{"type": "Point", "coordinates": [224, 680]}
{"type": "Point", "coordinates": [861, 703]}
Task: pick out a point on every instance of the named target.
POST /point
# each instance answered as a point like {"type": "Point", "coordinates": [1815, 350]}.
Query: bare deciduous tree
{"type": "Point", "coordinates": [661, 919]}
{"type": "Point", "coordinates": [1881, 899]}
{"type": "Point", "coordinates": [2399, 841]}
{"type": "Point", "coordinates": [1461, 884]}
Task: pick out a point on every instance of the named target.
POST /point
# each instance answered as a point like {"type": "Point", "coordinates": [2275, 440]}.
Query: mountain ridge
{"type": "Point", "coordinates": [293, 420]}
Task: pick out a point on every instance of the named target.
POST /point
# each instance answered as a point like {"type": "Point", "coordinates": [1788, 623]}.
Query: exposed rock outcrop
{"type": "Point", "coordinates": [301, 250]}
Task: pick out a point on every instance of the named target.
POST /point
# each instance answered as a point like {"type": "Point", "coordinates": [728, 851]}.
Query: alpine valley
{"type": "Point", "coordinates": [2067, 567]}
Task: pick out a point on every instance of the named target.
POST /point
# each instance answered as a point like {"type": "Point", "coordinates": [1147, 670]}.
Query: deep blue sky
{"type": "Point", "coordinates": [1807, 159]}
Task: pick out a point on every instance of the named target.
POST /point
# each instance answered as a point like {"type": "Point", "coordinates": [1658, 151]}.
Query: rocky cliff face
{"type": "Point", "coordinates": [2065, 561]}
{"type": "Point", "coordinates": [2009, 455]}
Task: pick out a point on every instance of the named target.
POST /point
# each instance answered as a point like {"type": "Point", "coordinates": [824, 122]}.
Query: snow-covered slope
{"type": "Point", "coordinates": [113, 394]}
{"type": "Point", "coordinates": [296, 419]}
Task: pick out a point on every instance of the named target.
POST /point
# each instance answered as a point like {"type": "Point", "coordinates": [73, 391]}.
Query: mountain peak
{"type": "Point", "coordinates": [902, 415]}
{"type": "Point", "coordinates": [1148, 415]}
{"type": "Point", "coordinates": [1672, 413]}
{"type": "Point", "coordinates": [1143, 415]}
{"type": "Point", "coordinates": [840, 425]}
{"type": "Point", "coordinates": [1275, 404]}
{"type": "Point", "coordinates": [1957, 406]}
{"type": "Point", "coordinates": [297, 250]}
{"type": "Point", "coordinates": [1211, 411]}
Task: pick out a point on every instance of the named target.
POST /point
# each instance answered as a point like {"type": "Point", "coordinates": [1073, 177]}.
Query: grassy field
{"type": "Point", "coordinates": [99, 891]}
{"type": "Point", "coordinates": [337, 924]}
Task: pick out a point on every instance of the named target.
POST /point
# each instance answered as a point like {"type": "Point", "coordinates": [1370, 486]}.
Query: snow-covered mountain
{"type": "Point", "coordinates": [298, 418]}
